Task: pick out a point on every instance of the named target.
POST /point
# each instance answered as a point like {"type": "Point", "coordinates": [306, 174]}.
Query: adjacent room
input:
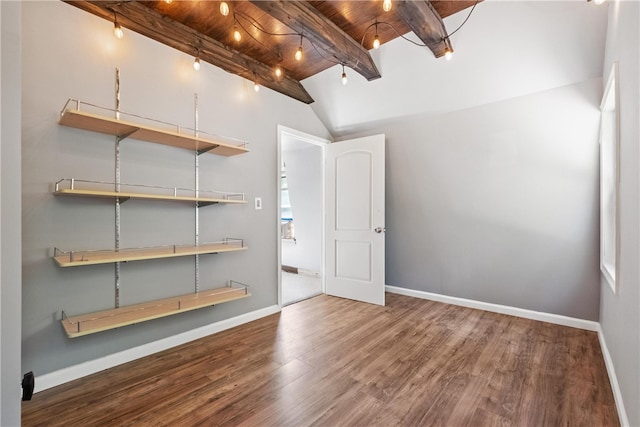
{"type": "Point", "coordinates": [320, 212]}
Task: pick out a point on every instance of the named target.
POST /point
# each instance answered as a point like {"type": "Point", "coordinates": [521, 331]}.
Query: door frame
{"type": "Point", "coordinates": [284, 132]}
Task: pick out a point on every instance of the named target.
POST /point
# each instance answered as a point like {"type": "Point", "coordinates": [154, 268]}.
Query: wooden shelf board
{"type": "Point", "coordinates": [110, 319]}
{"type": "Point", "coordinates": [116, 127]}
{"type": "Point", "coordinates": [142, 196]}
{"type": "Point", "coordinates": [81, 258]}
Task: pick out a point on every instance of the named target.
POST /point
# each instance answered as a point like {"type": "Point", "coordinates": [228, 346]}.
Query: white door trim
{"type": "Point", "coordinates": [282, 132]}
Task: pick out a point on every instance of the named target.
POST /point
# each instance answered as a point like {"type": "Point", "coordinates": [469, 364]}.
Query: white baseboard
{"type": "Point", "coordinates": [71, 373]}
{"type": "Point", "coordinates": [613, 379]}
{"type": "Point", "coordinates": [557, 319]}
{"type": "Point", "coordinates": [588, 325]}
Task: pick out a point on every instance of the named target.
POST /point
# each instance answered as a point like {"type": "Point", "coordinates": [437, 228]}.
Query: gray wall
{"type": "Point", "coordinates": [304, 175]}
{"type": "Point", "coordinates": [619, 313]}
{"type": "Point", "coordinates": [10, 280]}
{"type": "Point", "coordinates": [77, 59]}
{"type": "Point", "coordinates": [499, 203]}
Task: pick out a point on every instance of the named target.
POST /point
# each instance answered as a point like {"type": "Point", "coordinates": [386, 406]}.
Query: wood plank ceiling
{"type": "Point", "coordinates": [329, 32]}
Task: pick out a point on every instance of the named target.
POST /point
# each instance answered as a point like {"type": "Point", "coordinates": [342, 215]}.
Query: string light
{"type": "Point", "coordinates": [344, 76]}
{"type": "Point", "coordinates": [376, 39]}
{"type": "Point", "coordinates": [448, 53]}
{"type": "Point", "coordinates": [117, 29]}
{"type": "Point", "coordinates": [224, 8]}
{"type": "Point", "coordinates": [298, 54]}
{"type": "Point", "coordinates": [196, 63]}
{"type": "Point", "coordinates": [386, 5]}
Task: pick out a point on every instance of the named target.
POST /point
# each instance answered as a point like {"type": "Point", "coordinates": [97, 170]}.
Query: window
{"type": "Point", "coordinates": [285, 203]}
{"type": "Point", "coordinates": [609, 179]}
{"type": "Point", "coordinates": [286, 213]}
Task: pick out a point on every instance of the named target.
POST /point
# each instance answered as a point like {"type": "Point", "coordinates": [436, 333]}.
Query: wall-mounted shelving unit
{"type": "Point", "coordinates": [77, 118]}
{"type": "Point", "coordinates": [67, 187]}
{"type": "Point", "coordinates": [73, 114]}
{"type": "Point", "coordinates": [108, 256]}
{"type": "Point", "coordinates": [85, 324]}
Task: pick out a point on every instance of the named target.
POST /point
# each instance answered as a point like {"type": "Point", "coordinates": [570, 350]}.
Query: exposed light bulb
{"type": "Point", "coordinates": [168, 1]}
{"type": "Point", "coordinates": [224, 8]}
{"type": "Point", "coordinates": [448, 53]}
{"type": "Point", "coordinates": [278, 71]}
{"type": "Point", "coordinates": [376, 42]}
{"type": "Point", "coordinates": [256, 87]}
{"type": "Point", "coordinates": [344, 77]}
{"type": "Point", "coordinates": [236, 34]}
{"type": "Point", "coordinates": [117, 30]}
{"type": "Point", "coordinates": [386, 5]}
{"type": "Point", "coordinates": [196, 63]}
{"type": "Point", "coordinates": [598, 1]}
{"type": "Point", "coordinates": [298, 54]}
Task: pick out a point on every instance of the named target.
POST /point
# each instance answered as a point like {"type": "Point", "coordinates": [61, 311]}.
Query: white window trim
{"type": "Point", "coordinates": [608, 273]}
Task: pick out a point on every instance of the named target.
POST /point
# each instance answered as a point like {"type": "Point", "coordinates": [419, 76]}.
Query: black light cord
{"type": "Point", "coordinates": [397, 33]}
{"type": "Point", "coordinates": [465, 21]}
{"type": "Point", "coordinates": [260, 28]}
{"type": "Point", "coordinates": [415, 43]}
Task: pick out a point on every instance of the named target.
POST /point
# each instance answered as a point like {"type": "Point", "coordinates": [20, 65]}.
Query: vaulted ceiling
{"type": "Point", "coordinates": [329, 33]}
{"type": "Point", "coordinates": [500, 54]}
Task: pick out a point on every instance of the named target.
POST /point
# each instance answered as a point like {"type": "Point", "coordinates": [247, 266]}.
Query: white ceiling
{"type": "Point", "coordinates": [506, 49]}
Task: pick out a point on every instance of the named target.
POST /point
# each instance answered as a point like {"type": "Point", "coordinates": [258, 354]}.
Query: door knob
{"type": "Point", "coordinates": [379, 229]}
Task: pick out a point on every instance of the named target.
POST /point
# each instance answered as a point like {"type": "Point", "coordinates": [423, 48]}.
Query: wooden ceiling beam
{"type": "Point", "coordinates": [426, 23]}
{"type": "Point", "coordinates": [303, 18]}
{"type": "Point", "coordinates": [142, 20]}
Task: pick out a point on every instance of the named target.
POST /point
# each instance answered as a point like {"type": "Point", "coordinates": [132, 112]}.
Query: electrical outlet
{"type": "Point", "coordinates": [258, 204]}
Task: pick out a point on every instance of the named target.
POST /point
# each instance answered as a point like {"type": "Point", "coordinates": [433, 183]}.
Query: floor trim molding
{"type": "Point", "coordinates": [64, 375]}
{"type": "Point", "coordinates": [613, 379]}
{"type": "Point", "coordinates": [557, 319]}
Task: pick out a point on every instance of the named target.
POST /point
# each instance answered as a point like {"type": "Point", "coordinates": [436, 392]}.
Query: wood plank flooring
{"type": "Point", "coordinates": [334, 362]}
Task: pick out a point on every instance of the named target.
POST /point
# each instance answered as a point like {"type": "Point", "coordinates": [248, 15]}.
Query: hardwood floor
{"type": "Point", "coordinates": [329, 361]}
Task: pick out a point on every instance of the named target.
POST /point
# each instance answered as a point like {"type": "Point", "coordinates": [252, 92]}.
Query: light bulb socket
{"type": "Point", "coordinates": [344, 77]}
{"type": "Point", "coordinates": [117, 29]}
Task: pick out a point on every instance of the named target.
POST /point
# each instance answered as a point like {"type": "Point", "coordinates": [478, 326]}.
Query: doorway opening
{"type": "Point", "coordinates": [301, 215]}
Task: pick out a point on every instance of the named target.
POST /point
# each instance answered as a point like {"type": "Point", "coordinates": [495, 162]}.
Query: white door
{"type": "Point", "coordinates": [354, 221]}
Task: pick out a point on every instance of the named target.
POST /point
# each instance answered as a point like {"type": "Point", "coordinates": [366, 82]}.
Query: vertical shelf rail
{"type": "Point", "coordinates": [197, 189]}
{"type": "Point", "coordinates": [117, 189]}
